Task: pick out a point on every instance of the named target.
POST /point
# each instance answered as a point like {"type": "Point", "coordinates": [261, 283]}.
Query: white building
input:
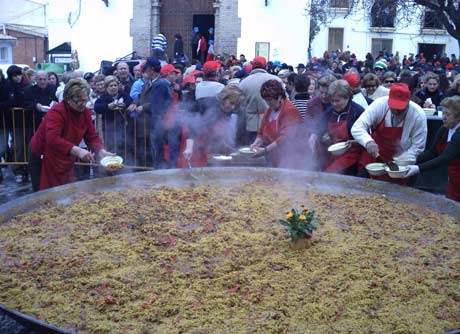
{"type": "Point", "coordinates": [362, 32]}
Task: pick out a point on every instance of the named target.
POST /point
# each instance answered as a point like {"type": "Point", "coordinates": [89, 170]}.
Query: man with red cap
{"type": "Point", "coordinates": [255, 104]}
{"type": "Point", "coordinates": [210, 86]}
{"type": "Point", "coordinates": [392, 126]}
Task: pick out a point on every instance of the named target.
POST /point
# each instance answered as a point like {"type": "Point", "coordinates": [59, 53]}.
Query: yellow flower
{"type": "Point", "coordinates": [302, 217]}
{"type": "Point", "coordinates": [289, 215]}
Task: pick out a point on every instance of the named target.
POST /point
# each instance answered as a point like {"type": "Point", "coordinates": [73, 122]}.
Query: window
{"type": "Point", "coordinates": [380, 44]}
{"type": "Point", "coordinates": [383, 14]}
{"type": "Point", "coordinates": [263, 49]}
{"type": "Point", "coordinates": [3, 54]}
{"type": "Point", "coordinates": [339, 4]}
{"type": "Point", "coordinates": [335, 39]}
{"type": "Point", "coordinates": [430, 21]}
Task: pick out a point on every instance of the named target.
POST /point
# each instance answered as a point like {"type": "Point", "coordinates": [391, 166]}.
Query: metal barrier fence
{"type": "Point", "coordinates": [121, 134]}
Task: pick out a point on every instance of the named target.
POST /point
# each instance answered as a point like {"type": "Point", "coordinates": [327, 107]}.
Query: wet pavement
{"type": "Point", "coordinates": [10, 189]}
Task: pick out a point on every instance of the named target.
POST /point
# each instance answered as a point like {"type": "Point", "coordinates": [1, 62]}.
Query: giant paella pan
{"type": "Point", "coordinates": [164, 252]}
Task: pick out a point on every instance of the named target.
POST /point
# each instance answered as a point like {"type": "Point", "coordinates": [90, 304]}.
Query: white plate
{"type": "Point", "coordinates": [404, 161]}
{"type": "Point", "coordinates": [397, 174]}
{"type": "Point", "coordinates": [376, 168]}
{"type": "Point", "coordinates": [107, 161]}
{"type": "Point", "coordinates": [246, 150]}
{"type": "Point", "coordinates": [429, 111]}
{"type": "Point", "coordinates": [222, 157]}
{"type": "Point", "coordinates": [338, 148]}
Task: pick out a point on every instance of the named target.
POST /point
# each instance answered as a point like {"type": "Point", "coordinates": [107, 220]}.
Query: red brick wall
{"type": "Point", "coordinates": [27, 47]}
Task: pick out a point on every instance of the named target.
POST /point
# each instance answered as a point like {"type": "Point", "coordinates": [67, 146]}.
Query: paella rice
{"type": "Point", "coordinates": [157, 259]}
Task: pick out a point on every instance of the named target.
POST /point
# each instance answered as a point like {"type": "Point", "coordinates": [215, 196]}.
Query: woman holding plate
{"type": "Point", "coordinates": [58, 137]}
{"type": "Point", "coordinates": [336, 128]}
{"type": "Point", "coordinates": [445, 149]}
{"type": "Point", "coordinates": [281, 137]}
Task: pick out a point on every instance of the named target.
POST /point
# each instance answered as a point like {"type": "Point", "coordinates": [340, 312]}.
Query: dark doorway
{"type": "Point", "coordinates": [429, 50]}
{"type": "Point", "coordinates": [204, 22]}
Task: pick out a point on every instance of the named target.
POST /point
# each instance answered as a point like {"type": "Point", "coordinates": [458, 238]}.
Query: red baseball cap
{"type": "Point", "coordinates": [211, 66]}
{"type": "Point", "coordinates": [168, 68]}
{"type": "Point", "coordinates": [449, 66]}
{"type": "Point", "coordinates": [352, 78]}
{"type": "Point", "coordinates": [259, 62]}
{"type": "Point", "coordinates": [399, 96]}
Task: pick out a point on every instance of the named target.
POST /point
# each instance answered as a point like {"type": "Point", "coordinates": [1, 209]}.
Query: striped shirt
{"type": "Point", "coordinates": [301, 101]}
{"type": "Point", "coordinates": [159, 42]}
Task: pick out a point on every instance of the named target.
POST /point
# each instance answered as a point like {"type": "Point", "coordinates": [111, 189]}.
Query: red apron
{"type": "Point", "coordinates": [453, 171]}
{"type": "Point", "coordinates": [56, 169]}
{"type": "Point", "coordinates": [339, 133]}
{"type": "Point", "coordinates": [388, 139]}
{"type": "Point", "coordinates": [269, 134]}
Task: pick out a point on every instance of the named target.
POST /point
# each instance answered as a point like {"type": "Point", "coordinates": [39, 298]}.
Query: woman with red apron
{"type": "Point", "coordinates": [445, 149]}
{"type": "Point", "coordinates": [281, 137]}
{"type": "Point", "coordinates": [339, 127]}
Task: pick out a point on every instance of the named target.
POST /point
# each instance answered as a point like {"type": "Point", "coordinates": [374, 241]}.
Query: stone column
{"type": "Point", "coordinates": [140, 27]}
{"type": "Point", "coordinates": [228, 27]}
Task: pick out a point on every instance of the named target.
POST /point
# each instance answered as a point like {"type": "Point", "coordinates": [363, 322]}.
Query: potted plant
{"type": "Point", "coordinates": [299, 224]}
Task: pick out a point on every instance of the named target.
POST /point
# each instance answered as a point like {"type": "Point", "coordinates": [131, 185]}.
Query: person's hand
{"type": "Point", "coordinates": [260, 152]}
{"type": "Point", "coordinates": [112, 105]}
{"type": "Point", "coordinates": [413, 170]}
{"type": "Point", "coordinates": [132, 107]}
{"type": "Point", "coordinates": [188, 153]}
{"type": "Point", "coordinates": [372, 148]}
{"type": "Point", "coordinates": [103, 153]}
{"type": "Point", "coordinates": [429, 105]}
{"type": "Point", "coordinates": [82, 154]}
{"type": "Point", "coordinates": [326, 139]}
{"type": "Point", "coordinates": [139, 109]}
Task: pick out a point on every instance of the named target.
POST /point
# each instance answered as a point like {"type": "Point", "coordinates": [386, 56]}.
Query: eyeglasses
{"type": "Point", "coordinates": [370, 86]}
{"type": "Point", "coordinates": [389, 81]}
{"type": "Point", "coordinates": [378, 69]}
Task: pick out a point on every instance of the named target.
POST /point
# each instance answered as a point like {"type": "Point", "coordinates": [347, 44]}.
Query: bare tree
{"type": "Point", "coordinates": [425, 13]}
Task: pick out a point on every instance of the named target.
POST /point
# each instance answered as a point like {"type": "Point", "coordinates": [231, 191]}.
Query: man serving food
{"type": "Point", "coordinates": [392, 126]}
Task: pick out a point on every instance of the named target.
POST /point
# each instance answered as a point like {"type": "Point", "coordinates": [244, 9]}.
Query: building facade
{"type": "Point", "coordinates": [267, 28]}
{"type": "Point", "coordinates": [381, 28]}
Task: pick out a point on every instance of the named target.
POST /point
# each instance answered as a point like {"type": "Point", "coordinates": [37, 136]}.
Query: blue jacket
{"type": "Point", "coordinates": [161, 98]}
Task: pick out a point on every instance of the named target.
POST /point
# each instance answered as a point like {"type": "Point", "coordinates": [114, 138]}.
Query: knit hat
{"type": "Point", "coordinates": [382, 64]}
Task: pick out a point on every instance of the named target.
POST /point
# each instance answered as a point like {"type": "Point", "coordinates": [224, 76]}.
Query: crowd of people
{"type": "Point", "coordinates": [173, 114]}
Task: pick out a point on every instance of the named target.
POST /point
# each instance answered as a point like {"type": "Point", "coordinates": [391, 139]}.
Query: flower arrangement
{"type": "Point", "coordinates": [299, 223]}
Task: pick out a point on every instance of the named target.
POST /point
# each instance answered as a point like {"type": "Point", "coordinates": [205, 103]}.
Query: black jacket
{"type": "Point", "coordinates": [430, 159]}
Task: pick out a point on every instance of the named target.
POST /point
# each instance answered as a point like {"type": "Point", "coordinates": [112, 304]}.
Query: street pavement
{"type": "Point", "coordinates": [9, 189]}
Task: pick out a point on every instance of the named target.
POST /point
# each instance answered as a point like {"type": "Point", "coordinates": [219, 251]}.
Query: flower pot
{"type": "Point", "coordinates": [302, 243]}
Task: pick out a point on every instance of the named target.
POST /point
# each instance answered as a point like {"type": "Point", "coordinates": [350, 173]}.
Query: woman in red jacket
{"type": "Point", "coordinates": [281, 136]}
{"type": "Point", "coordinates": [58, 137]}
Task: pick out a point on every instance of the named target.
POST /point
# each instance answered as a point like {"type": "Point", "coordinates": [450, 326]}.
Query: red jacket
{"type": "Point", "coordinates": [61, 129]}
